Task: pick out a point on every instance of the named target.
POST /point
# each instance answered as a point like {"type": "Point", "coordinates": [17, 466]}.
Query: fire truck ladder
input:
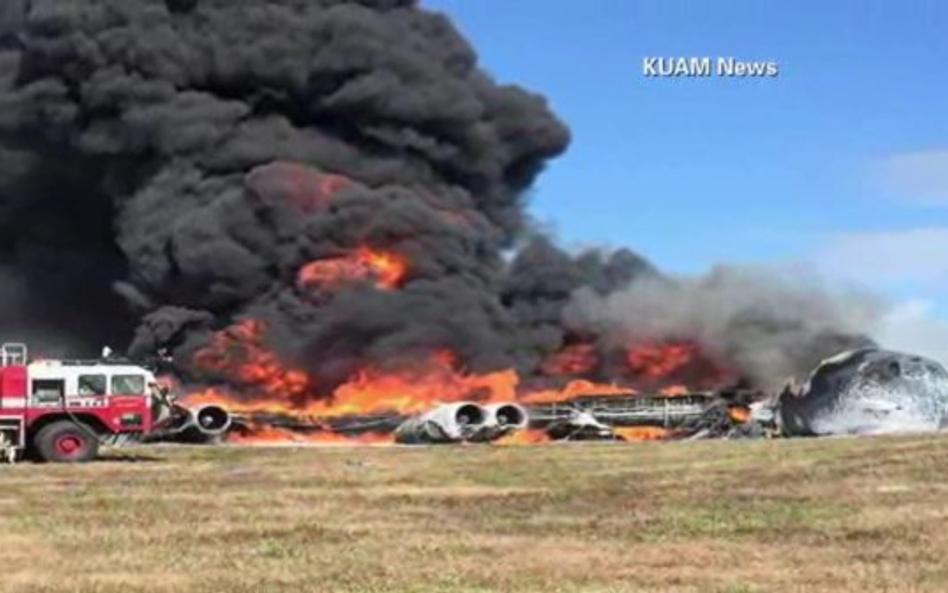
{"type": "Point", "coordinates": [13, 353]}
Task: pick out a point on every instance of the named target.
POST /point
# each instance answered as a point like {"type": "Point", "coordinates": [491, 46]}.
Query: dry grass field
{"type": "Point", "coordinates": [806, 515]}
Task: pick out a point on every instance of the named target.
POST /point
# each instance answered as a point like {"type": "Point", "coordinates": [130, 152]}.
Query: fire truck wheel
{"type": "Point", "coordinates": [66, 442]}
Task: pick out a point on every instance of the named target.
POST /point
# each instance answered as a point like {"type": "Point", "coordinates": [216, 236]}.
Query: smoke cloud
{"type": "Point", "coordinates": [178, 162]}
{"type": "Point", "coordinates": [540, 283]}
{"type": "Point", "coordinates": [343, 173]}
{"type": "Point", "coordinates": [771, 326]}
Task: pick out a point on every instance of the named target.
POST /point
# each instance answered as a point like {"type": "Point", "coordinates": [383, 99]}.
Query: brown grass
{"type": "Point", "coordinates": [806, 515]}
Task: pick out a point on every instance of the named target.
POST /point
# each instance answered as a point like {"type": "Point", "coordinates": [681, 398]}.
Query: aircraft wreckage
{"type": "Point", "coordinates": [867, 391]}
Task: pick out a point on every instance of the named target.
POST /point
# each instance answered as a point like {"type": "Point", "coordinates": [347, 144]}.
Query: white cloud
{"type": "Point", "coordinates": [914, 257]}
{"type": "Point", "coordinates": [913, 327]}
{"type": "Point", "coordinates": [919, 175]}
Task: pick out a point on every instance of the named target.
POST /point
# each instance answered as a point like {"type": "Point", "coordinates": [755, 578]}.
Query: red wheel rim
{"type": "Point", "coordinates": [69, 445]}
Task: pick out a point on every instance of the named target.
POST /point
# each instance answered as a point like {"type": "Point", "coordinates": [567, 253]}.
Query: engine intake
{"type": "Point", "coordinates": [448, 423]}
{"type": "Point", "coordinates": [199, 424]}
{"type": "Point", "coordinates": [508, 415]}
{"type": "Point", "coordinates": [502, 419]}
{"type": "Point", "coordinates": [210, 419]}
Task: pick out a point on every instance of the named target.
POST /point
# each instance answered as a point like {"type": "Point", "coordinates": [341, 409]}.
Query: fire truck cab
{"type": "Point", "coordinates": [63, 410]}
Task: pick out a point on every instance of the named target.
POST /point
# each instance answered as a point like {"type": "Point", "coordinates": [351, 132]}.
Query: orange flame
{"type": "Point", "coordinates": [682, 362]}
{"type": "Point", "coordinates": [415, 391]}
{"type": "Point", "coordinates": [642, 433]}
{"type": "Point", "coordinates": [263, 435]}
{"type": "Point", "coordinates": [739, 414]}
{"type": "Point", "coordinates": [385, 270]}
{"type": "Point", "coordinates": [238, 354]}
{"type": "Point", "coordinates": [267, 386]}
{"type": "Point", "coordinates": [658, 361]}
{"type": "Point", "coordinates": [574, 359]}
{"type": "Point", "coordinates": [530, 436]}
{"type": "Point", "coordinates": [573, 390]}
{"type": "Point", "coordinates": [675, 391]}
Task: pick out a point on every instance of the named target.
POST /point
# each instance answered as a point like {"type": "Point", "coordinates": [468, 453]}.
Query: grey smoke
{"type": "Point", "coordinates": [770, 326]}
{"type": "Point", "coordinates": [540, 283]}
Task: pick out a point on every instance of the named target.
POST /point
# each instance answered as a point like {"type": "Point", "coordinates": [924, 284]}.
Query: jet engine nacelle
{"type": "Point", "coordinates": [208, 420]}
{"type": "Point", "coordinates": [502, 419]}
{"type": "Point", "coordinates": [198, 424]}
{"type": "Point", "coordinates": [447, 423]}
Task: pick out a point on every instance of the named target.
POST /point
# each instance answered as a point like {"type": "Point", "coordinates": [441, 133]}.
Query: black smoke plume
{"type": "Point", "coordinates": [155, 156]}
{"type": "Point", "coordinates": [170, 168]}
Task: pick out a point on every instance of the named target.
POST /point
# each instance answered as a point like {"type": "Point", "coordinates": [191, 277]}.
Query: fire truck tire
{"type": "Point", "coordinates": [66, 442]}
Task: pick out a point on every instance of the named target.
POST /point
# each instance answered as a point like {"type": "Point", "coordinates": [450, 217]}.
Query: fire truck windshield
{"type": "Point", "coordinates": [128, 385]}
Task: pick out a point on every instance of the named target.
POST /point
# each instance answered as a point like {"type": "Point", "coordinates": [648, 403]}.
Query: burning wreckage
{"type": "Point", "coordinates": [615, 417]}
{"type": "Point", "coordinates": [859, 392]}
{"type": "Point", "coordinates": [317, 209]}
{"type": "Point", "coordinates": [867, 391]}
{"type": "Point", "coordinates": [63, 409]}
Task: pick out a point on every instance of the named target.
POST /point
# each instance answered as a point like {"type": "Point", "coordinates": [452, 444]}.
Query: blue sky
{"type": "Point", "coordinates": [841, 160]}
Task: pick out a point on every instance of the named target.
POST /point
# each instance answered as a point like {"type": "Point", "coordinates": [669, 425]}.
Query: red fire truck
{"type": "Point", "coordinates": [63, 410]}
